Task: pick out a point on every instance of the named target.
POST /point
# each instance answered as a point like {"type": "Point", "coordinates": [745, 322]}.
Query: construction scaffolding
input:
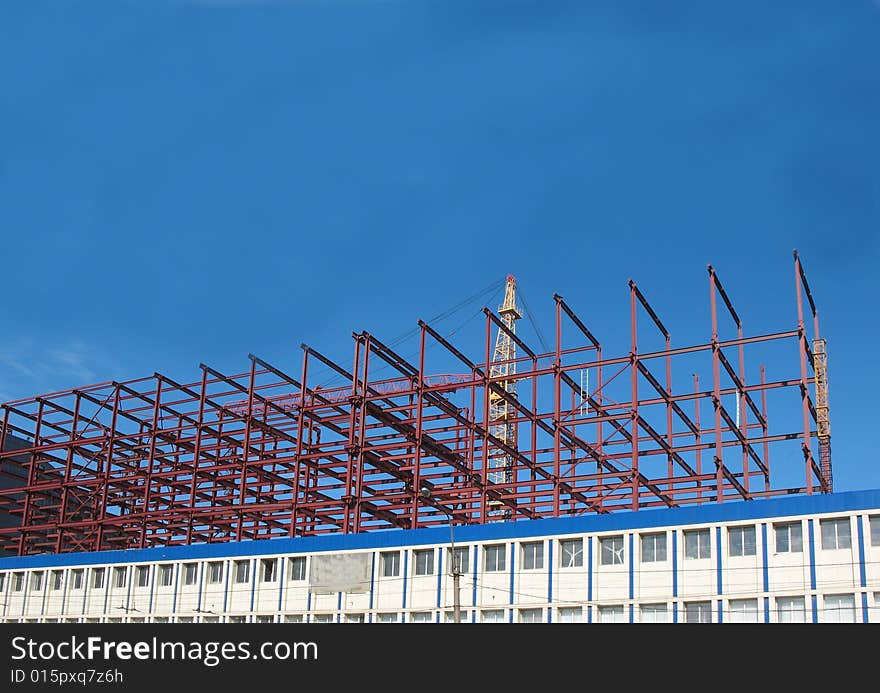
{"type": "Point", "coordinates": [265, 454]}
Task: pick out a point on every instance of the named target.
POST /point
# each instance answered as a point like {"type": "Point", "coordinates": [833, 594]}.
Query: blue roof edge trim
{"type": "Point", "coordinates": [396, 538]}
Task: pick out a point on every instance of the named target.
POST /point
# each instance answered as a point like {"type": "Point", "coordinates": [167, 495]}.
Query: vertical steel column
{"type": "Point", "coordinates": [634, 392]}
{"type": "Point", "coordinates": [764, 431]}
{"type": "Point", "coordinates": [351, 447]}
{"type": "Point", "coordinates": [805, 408]}
{"type": "Point", "coordinates": [297, 461]}
{"type": "Point", "coordinates": [557, 406]}
{"type": "Point", "coordinates": [245, 455]}
{"type": "Point", "coordinates": [197, 453]}
{"type": "Point", "coordinates": [484, 515]}
{"type": "Point", "coordinates": [59, 540]}
{"type": "Point", "coordinates": [716, 392]}
{"type": "Point", "coordinates": [362, 424]}
{"type": "Point", "coordinates": [105, 483]}
{"type": "Point", "coordinates": [26, 514]}
{"type": "Point", "coordinates": [698, 442]}
{"type": "Point", "coordinates": [417, 457]}
{"type": "Point", "coordinates": [148, 484]}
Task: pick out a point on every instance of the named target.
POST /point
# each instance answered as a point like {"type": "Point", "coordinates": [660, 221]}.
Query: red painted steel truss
{"type": "Point", "coordinates": [263, 454]}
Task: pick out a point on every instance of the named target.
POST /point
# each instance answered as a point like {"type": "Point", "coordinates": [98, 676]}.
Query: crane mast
{"type": "Point", "coordinates": [501, 413]}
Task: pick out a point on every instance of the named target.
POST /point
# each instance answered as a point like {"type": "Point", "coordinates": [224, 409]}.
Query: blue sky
{"type": "Point", "coordinates": [191, 181]}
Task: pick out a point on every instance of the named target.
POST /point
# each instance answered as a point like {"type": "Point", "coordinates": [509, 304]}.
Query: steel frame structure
{"type": "Point", "coordinates": [264, 454]}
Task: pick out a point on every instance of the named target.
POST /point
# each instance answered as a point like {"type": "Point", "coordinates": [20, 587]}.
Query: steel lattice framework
{"type": "Point", "coordinates": [264, 454]}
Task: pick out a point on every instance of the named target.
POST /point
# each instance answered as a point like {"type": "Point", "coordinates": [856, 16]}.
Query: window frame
{"type": "Point", "coordinates": [532, 554]}
{"type": "Point", "coordinates": [166, 575]}
{"type": "Point", "coordinates": [837, 523]}
{"type": "Point", "coordinates": [704, 607]}
{"type": "Point", "coordinates": [296, 574]}
{"type": "Point", "coordinates": [212, 566]}
{"type": "Point", "coordinates": [496, 555]}
{"type": "Point", "coordinates": [576, 557]}
{"type": "Point", "coordinates": [268, 570]}
{"type": "Point", "coordinates": [98, 575]}
{"type": "Point", "coordinates": [142, 570]}
{"type": "Point", "coordinates": [608, 548]}
{"type": "Point", "coordinates": [187, 567]}
{"type": "Point", "coordinates": [423, 562]}
{"type": "Point", "coordinates": [745, 533]}
{"type": "Point", "coordinates": [242, 573]}
{"type": "Point", "coordinates": [652, 538]}
{"type": "Point", "coordinates": [786, 527]}
{"type": "Point", "coordinates": [698, 534]}
{"type": "Point", "coordinates": [389, 564]}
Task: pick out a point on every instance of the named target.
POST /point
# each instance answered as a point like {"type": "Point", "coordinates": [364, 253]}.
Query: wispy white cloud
{"type": "Point", "coordinates": [32, 367]}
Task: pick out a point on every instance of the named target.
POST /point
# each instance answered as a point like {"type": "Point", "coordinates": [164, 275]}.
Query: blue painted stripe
{"type": "Point", "coordinates": [281, 583]}
{"type": "Point", "coordinates": [107, 589]}
{"type": "Point", "coordinates": [861, 535]}
{"type": "Point", "coordinates": [372, 584]}
{"type": "Point", "coordinates": [675, 612]}
{"type": "Point", "coordinates": [549, 577]}
{"type": "Point", "coordinates": [766, 609]}
{"type": "Point", "coordinates": [253, 577]}
{"type": "Point", "coordinates": [589, 569]}
{"type": "Point", "coordinates": [476, 564]}
{"type": "Point", "coordinates": [782, 506]}
{"type": "Point", "coordinates": [674, 571]}
{"type": "Point", "coordinates": [227, 569]}
{"type": "Point", "coordinates": [176, 570]}
{"type": "Point", "coordinates": [405, 572]}
{"type": "Point", "coordinates": [765, 568]}
{"type": "Point", "coordinates": [338, 607]}
{"type": "Point", "coordinates": [632, 615]}
{"type": "Point", "coordinates": [308, 606]}
{"type": "Point", "coordinates": [815, 610]}
{"type": "Point", "coordinates": [202, 569]}
{"type": "Point", "coordinates": [439, 580]}
{"type": "Point", "coordinates": [512, 565]}
{"type": "Point", "coordinates": [811, 539]}
{"type": "Point", "coordinates": [718, 562]}
{"type": "Point", "coordinates": [864, 607]}
{"type": "Point", "coordinates": [151, 576]}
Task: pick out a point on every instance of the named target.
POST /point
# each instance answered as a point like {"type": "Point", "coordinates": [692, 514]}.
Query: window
{"type": "Point", "coordinates": [698, 612]}
{"type": "Point", "coordinates": [237, 619]}
{"type": "Point", "coordinates": [449, 617]}
{"type": "Point", "coordinates": [57, 580]}
{"type": "Point", "coordinates": [190, 573]}
{"type": "Point", "coordinates": [421, 617]}
{"type": "Point", "coordinates": [790, 609]}
{"type": "Point", "coordinates": [569, 614]}
{"type": "Point", "coordinates": [652, 613]}
{"type": "Point", "coordinates": [17, 582]}
{"type": "Point", "coordinates": [119, 577]}
{"type": "Point", "coordinates": [836, 533]}
{"type": "Point", "coordinates": [697, 544]}
{"type": "Point", "coordinates": [354, 618]}
{"type": "Point", "coordinates": [143, 575]}
{"type": "Point", "coordinates": [744, 611]}
{"type": "Point", "coordinates": [2, 581]}
{"type": "Point", "coordinates": [531, 615]}
{"type": "Point", "coordinates": [210, 619]}
{"type": "Point", "coordinates": [875, 530]}
{"type": "Point", "coordinates": [741, 541]}
{"type": "Point", "coordinates": [571, 553]}
{"type": "Point", "coordinates": [423, 562]}
{"type": "Point", "coordinates": [611, 614]}
{"type": "Point", "coordinates": [611, 550]}
{"type": "Point", "coordinates": [322, 618]}
{"type": "Point", "coordinates": [386, 618]}
{"type": "Point", "coordinates": [215, 572]}
{"type": "Point", "coordinates": [76, 578]}
{"type": "Point", "coordinates": [494, 558]}
{"type": "Point", "coordinates": [789, 537]}
{"type": "Point", "coordinates": [390, 563]}
{"type": "Point", "coordinates": [492, 616]}
{"type": "Point", "coordinates": [268, 566]}
{"type": "Point", "coordinates": [298, 568]}
{"type": "Point", "coordinates": [840, 608]}
{"type": "Point", "coordinates": [36, 581]}
{"type": "Point", "coordinates": [97, 577]}
{"type": "Point", "coordinates": [166, 574]}
{"type": "Point", "coordinates": [293, 618]}
{"type": "Point", "coordinates": [462, 553]}
{"type": "Point", "coordinates": [653, 548]}
{"type": "Point", "coordinates": [242, 571]}
{"type": "Point", "coordinates": [533, 555]}
{"type": "Point", "coordinates": [264, 618]}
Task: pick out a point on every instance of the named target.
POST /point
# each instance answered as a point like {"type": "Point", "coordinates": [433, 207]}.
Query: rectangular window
{"type": "Point", "coordinates": [874, 521]}
{"type": "Point", "coordinates": [237, 619]}
{"type": "Point", "coordinates": [354, 618]}
{"type": "Point", "coordinates": [741, 541]}
{"type": "Point", "coordinates": [57, 580]}
{"type": "Point", "coordinates": [119, 575]}
{"type": "Point", "coordinates": [449, 617]}
{"type": "Point", "coordinates": [293, 618]}
{"type": "Point", "coordinates": [462, 554]}
{"type": "Point", "coordinates": [298, 568]}
{"type": "Point", "coordinates": [190, 573]}
{"type": "Point", "coordinates": [789, 537]}
{"type": "Point", "coordinates": [652, 613]}
{"type": "Point", "coordinates": [492, 616]}
{"type": "Point", "coordinates": [836, 533]}
{"type": "Point", "coordinates": [840, 608]}
{"type": "Point", "coordinates": [612, 614]}
{"type": "Point", "coordinates": [571, 553]}
{"type": "Point", "coordinates": [533, 555]}
{"type": "Point", "coordinates": [143, 575]}
{"type": "Point", "coordinates": [531, 615]}
{"type": "Point", "coordinates": [36, 581]}
{"type": "Point", "coordinates": [215, 572]}
{"type": "Point", "coordinates": [76, 578]}
{"type": "Point", "coordinates": [570, 614]}
{"type": "Point", "coordinates": [17, 582]}
{"type": "Point", "coordinates": [698, 612]}
{"type": "Point", "coordinates": [390, 563]}
{"type": "Point", "coordinates": [210, 619]}
{"type": "Point", "coordinates": [421, 617]}
{"type": "Point", "coordinates": [423, 562]}
{"type": "Point", "coordinates": [166, 575]}
{"type": "Point", "coordinates": [97, 577]}
{"type": "Point", "coordinates": [790, 610]}
{"type": "Point", "coordinates": [2, 581]}
{"type": "Point", "coordinates": [495, 558]}
{"type": "Point", "coordinates": [264, 618]}
{"type": "Point", "coordinates": [743, 611]}
{"type": "Point", "coordinates": [653, 547]}
{"type": "Point", "coordinates": [697, 544]}
{"type": "Point", "coordinates": [611, 550]}
{"type": "Point", "coordinates": [386, 618]}
{"type": "Point", "coordinates": [322, 618]}
{"type": "Point", "coordinates": [268, 569]}
{"type": "Point", "coordinates": [242, 571]}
